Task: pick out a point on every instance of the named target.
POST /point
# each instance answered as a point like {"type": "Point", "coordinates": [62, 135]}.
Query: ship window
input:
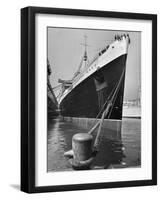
{"type": "Point", "coordinates": [107, 47]}
{"type": "Point", "coordinates": [103, 51]}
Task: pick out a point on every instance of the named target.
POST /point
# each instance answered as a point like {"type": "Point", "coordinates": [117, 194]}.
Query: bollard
{"type": "Point", "coordinates": [82, 147]}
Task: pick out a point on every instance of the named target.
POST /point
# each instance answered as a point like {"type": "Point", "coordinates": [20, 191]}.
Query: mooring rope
{"type": "Point", "coordinates": [104, 105]}
{"type": "Point", "coordinates": [86, 163]}
{"type": "Point", "coordinates": [100, 123]}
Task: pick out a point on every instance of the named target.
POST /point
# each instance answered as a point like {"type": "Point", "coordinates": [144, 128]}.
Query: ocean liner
{"type": "Point", "coordinates": [51, 99]}
{"type": "Point", "coordinates": [96, 83]}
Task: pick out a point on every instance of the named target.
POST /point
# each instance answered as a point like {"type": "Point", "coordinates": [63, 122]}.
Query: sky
{"type": "Point", "coordinates": [65, 51]}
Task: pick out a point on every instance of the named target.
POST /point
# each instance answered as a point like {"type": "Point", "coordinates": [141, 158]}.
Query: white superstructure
{"type": "Point", "coordinates": [118, 48]}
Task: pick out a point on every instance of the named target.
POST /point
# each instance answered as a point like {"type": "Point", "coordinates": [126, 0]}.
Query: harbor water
{"type": "Point", "coordinates": [120, 144]}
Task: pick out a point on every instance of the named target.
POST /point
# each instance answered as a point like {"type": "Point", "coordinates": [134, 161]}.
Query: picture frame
{"type": "Point", "coordinates": [29, 56]}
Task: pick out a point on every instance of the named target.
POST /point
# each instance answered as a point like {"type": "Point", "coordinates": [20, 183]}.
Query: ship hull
{"type": "Point", "coordinates": [52, 104]}
{"type": "Point", "coordinates": [52, 108]}
{"type": "Point", "coordinates": [87, 99]}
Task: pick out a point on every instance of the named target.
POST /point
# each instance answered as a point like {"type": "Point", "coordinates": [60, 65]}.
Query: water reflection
{"type": "Point", "coordinates": [120, 145]}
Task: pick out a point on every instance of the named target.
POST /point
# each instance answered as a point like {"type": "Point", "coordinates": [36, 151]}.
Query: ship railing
{"type": "Point", "coordinates": [76, 79]}
{"type": "Point", "coordinates": [96, 57]}
{"type": "Point", "coordinates": [80, 75]}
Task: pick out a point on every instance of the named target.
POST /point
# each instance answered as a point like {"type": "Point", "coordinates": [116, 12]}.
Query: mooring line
{"type": "Point", "coordinates": [110, 101]}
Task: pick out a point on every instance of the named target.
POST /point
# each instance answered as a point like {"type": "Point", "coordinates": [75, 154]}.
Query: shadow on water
{"type": "Point", "coordinates": [119, 147]}
{"type": "Point", "coordinates": [110, 154]}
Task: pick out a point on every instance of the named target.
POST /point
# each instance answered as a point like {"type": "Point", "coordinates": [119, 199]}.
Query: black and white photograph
{"type": "Point", "coordinates": [89, 104]}
{"type": "Point", "coordinates": [93, 99]}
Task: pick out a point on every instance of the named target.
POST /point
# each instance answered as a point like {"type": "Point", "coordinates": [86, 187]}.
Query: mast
{"type": "Point", "coordinates": [84, 60]}
{"type": "Point", "coordinates": [85, 52]}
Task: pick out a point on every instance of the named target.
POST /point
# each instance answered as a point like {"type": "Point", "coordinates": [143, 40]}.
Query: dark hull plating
{"type": "Point", "coordinates": [86, 99]}
{"type": "Point", "coordinates": [52, 108]}
{"type": "Point", "coordinates": [51, 102]}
